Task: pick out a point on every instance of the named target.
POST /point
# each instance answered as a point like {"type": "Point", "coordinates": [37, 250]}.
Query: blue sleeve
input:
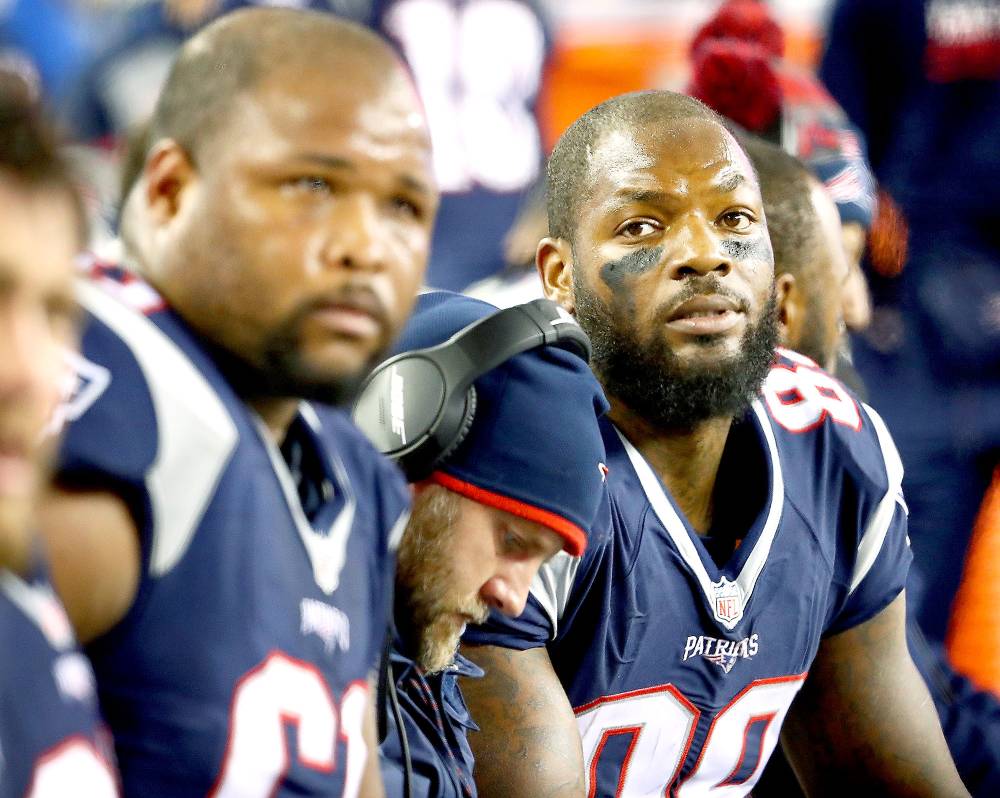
{"type": "Point", "coordinates": [875, 551]}
{"type": "Point", "coordinates": [531, 629]}
{"type": "Point", "coordinates": [110, 440]}
{"type": "Point", "coordinates": [882, 582]}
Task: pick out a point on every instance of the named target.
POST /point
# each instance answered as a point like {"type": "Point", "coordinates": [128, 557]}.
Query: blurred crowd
{"type": "Point", "coordinates": [896, 111]}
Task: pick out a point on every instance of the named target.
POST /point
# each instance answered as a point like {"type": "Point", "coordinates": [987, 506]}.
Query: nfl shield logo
{"type": "Point", "coordinates": [728, 602]}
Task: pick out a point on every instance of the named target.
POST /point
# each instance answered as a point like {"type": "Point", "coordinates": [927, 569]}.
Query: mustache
{"type": "Point", "coordinates": [709, 285]}
{"type": "Point", "coordinates": [353, 296]}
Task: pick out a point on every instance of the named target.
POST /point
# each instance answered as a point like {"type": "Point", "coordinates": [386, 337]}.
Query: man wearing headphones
{"type": "Point", "coordinates": [498, 489]}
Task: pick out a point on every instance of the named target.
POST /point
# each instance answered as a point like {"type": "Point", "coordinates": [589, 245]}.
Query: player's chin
{"type": "Point", "coordinates": [439, 642]}
{"type": "Point", "coordinates": [699, 351]}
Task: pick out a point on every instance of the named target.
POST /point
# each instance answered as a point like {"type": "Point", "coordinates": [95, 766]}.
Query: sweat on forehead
{"type": "Point", "coordinates": [238, 51]}
{"type": "Point", "coordinates": [605, 136]}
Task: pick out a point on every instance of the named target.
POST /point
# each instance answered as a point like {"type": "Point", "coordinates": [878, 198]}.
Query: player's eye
{"type": "Point", "coordinates": [407, 208]}
{"type": "Point", "coordinates": [637, 228]}
{"type": "Point", "coordinates": [511, 542]}
{"type": "Point", "coordinates": [309, 185]}
{"type": "Point", "coordinates": [737, 221]}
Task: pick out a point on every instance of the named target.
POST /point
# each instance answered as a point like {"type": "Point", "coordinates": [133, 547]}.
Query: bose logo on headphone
{"type": "Point", "coordinates": [397, 406]}
{"type": "Point", "coordinates": [431, 390]}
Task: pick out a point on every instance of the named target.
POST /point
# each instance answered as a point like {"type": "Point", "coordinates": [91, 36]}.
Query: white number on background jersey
{"type": "Point", "coordinates": [659, 723]}
{"type": "Point", "coordinates": [800, 398]}
{"type": "Point", "coordinates": [73, 768]}
{"type": "Point", "coordinates": [477, 66]}
{"type": "Point", "coordinates": [284, 690]}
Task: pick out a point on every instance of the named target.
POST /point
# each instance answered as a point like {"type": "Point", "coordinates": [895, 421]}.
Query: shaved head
{"type": "Point", "coordinates": [239, 52]}
{"type": "Point", "coordinates": [604, 133]}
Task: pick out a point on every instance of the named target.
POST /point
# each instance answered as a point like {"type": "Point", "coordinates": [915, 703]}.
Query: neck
{"type": "Point", "coordinates": [276, 413]}
{"type": "Point", "coordinates": [15, 552]}
{"type": "Point", "coordinates": [686, 460]}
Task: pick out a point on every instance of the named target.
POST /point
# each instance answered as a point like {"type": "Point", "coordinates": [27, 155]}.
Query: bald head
{"type": "Point", "coordinates": [571, 162]}
{"type": "Point", "coordinates": [241, 51]}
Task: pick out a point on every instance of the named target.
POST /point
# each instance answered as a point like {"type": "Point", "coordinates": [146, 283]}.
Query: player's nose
{"type": "Point", "coordinates": [26, 352]}
{"type": "Point", "coordinates": [698, 249]}
{"type": "Point", "coordinates": [507, 592]}
{"type": "Point", "coordinates": [354, 236]}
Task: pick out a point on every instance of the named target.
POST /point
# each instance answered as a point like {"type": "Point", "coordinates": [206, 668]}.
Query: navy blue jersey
{"type": "Point", "coordinates": [241, 667]}
{"type": "Point", "coordinates": [437, 723]}
{"type": "Point", "coordinates": [51, 740]}
{"type": "Point", "coordinates": [681, 671]}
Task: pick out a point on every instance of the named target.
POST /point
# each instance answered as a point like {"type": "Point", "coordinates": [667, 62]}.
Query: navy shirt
{"type": "Point", "coordinates": [52, 742]}
{"type": "Point", "coordinates": [681, 669]}
{"type": "Point", "coordinates": [242, 666]}
{"type": "Point", "coordinates": [437, 723]}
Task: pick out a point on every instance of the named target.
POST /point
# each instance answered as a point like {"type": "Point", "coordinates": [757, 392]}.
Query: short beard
{"type": "Point", "coordinates": [655, 384]}
{"type": "Point", "coordinates": [425, 575]}
{"type": "Point", "coordinates": [281, 371]}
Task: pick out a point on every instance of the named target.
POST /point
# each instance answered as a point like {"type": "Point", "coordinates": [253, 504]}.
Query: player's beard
{"type": "Point", "coordinates": [644, 374]}
{"type": "Point", "coordinates": [280, 370]}
{"type": "Point", "coordinates": [425, 579]}
{"type": "Point", "coordinates": [287, 372]}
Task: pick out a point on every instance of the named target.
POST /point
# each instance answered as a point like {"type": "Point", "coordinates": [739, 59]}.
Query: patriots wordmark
{"type": "Point", "coordinates": [723, 653]}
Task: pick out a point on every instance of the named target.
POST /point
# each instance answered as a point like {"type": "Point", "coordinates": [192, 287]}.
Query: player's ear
{"type": "Point", "coordinates": [791, 309]}
{"type": "Point", "coordinates": [169, 171]}
{"type": "Point", "coordinates": [554, 259]}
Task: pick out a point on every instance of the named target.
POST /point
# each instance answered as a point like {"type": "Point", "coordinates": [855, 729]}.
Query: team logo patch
{"type": "Point", "coordinates": [727, 602]}
{"type": "Point", "coordinates": [724, 653]}
{"type": "Point", "coordinates": [83, 383]}
{"type": "Point", "coordinates": [330, 624]}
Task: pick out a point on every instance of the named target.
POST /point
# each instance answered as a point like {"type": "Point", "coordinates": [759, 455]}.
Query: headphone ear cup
{"type": "Point", "coordinates": [468, 415]}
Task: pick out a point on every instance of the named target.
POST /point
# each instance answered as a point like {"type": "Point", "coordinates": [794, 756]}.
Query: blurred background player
{"type": "Point", "coordinates": [240, 526]}
{"type": "Point", "coordinates": [520, 487]}
{"type": "Point", "coordinates": [730, 584]}
{"type": "Point", "coordinates": [51, 738]}
{"type": "Point", "coordinates": [811, 278]}
{"type": "Point", "coordinates": [477, 64]}
{"type": "Point", "coordinates": [739, 69]}
{"type": "Point", "coordinates": [929, 106]}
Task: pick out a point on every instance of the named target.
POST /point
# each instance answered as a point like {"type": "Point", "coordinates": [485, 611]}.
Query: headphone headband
{"type": "Point", "coordinates": [417, 406]}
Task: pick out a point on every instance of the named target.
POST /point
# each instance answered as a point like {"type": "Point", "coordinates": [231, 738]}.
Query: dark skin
{"type": "Point", "coordinates": [308, 216]}
{"type": "Point", "coordinates": [532, 751]}
{"type": "Point", "coordinates": [695, 198]}
{"type": "Point", "coordinates": [705, 218]}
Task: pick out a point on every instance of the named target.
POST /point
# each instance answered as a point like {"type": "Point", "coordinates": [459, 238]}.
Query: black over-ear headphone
{"type": "Point", "coordinates": [418, 406]}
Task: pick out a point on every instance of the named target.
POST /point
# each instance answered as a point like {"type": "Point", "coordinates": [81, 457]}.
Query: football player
{"type": "Point", "coordinates": [241, 526]}
{"type": "Point", "coordinates": [51, 740]}
{"type": "Point", "coordinates": [758, 533]}
{"type": "Point", "coordinates": [516, 490]}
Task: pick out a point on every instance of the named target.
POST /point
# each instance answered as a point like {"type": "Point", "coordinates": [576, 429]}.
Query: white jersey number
{"type": "Point", "coordinates": [284, 690]}
{"type": "Point", "coordinates": [477, 66]}
{"type": "Point", "coordinates": [800, 398]}
{"type": "Point", "coordinates": [73, 768]}
{"type": "Point", "coordinates": [659, 725]}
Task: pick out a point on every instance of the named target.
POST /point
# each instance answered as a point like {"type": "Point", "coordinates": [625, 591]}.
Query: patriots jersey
{"type": "Point", "coordinates": [241, 668]}
{"type": "Point", "coordinates": [52, 742]}
{"type": "Point", "coordinates": [681, 670]}
{"type": "Point", "coordinates": [437, 722]}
